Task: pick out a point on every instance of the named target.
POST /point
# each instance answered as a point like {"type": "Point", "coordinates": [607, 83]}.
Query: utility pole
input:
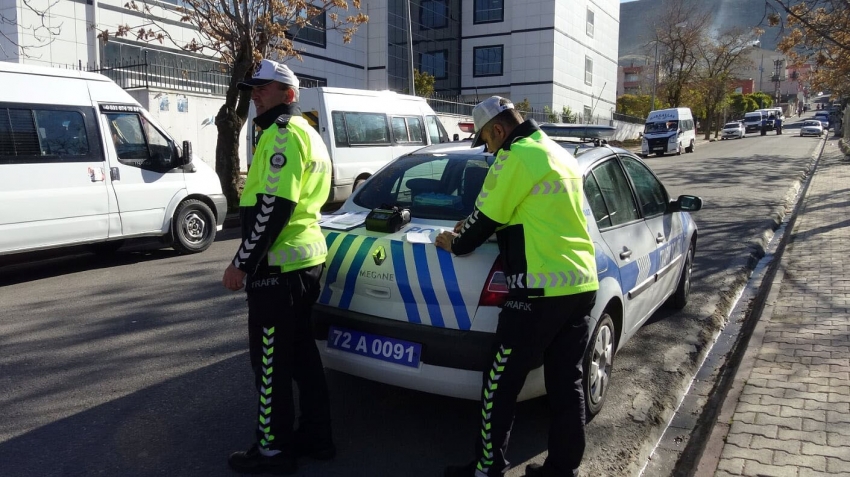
{"type": "Point", "coordinates": [761, 78]}
{"type": "Point", "coordinates": [410, 44]}
{"type": "Point", "coordinates": [654, 77]}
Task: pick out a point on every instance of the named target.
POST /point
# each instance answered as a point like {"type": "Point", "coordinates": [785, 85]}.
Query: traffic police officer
{"type": "Point", "coordinates": [280, 261]}
{"type": "Point", "coordinates": [532, 199]}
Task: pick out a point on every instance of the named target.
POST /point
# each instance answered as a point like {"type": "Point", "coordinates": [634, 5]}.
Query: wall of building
{"type": "Point", "coordinates": [188, 116]}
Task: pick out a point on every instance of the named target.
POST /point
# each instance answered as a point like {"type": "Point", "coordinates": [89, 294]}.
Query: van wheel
{"type": "Point", "coordinates": [194, 227]}
{"type": "Point", "coordinates": [680, 297]}
{"type": "Point", "coordinates": [358, 183]}
{"type": "Point", "coordinates": [690, 148]}
{"type": "Point", "coordinates": [598, 364]}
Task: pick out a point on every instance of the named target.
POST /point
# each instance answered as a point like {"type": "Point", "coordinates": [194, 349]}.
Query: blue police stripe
{"type": "Point", "coordinates": [400, 268]}
{"type": "Point", "coordinates": [420, 258]}
{"type": "Point", "coordinates": [333, 269]}
{"type": "Point", "coordinates": [353, 270]}
{"type": "Point", "coordinates": [452, 288]}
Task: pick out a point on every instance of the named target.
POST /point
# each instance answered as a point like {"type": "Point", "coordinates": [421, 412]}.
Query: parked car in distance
{"type": "Point", "coordinates": [811, 127]}
{"type": "Point", "coordinates": [734, 130]}
{"type": "Point", "coordinates": [823, 117]}
{"type": "Point", "coordinates": [396, 309]}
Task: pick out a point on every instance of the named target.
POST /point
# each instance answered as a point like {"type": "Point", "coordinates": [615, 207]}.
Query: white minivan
{"type": "Point", "coordinates": [81, 162]}
{"type": "Point", "coordinates": [668, 130]}
{"type": "Point", "coordinates": [364, 130]}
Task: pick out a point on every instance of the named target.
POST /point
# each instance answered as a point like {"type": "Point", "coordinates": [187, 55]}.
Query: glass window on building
{"type": "Point", "coordinates": [588, 70]}
{"type": "Point", "coordinates": [434, 63]}
{"type": "Point", "coordinates": [313, 33]}
{"type": "Point", "coordinates": [590, 23]}
{"type": "Point", "coordinates": [487, 60]}
{"type": "Point", "coordinates": [433, 14]}
{"type": "Point", "coordinates": [488, 11]}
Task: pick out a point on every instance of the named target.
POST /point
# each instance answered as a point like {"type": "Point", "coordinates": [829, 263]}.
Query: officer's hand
{"type": "Point", "coordinates": [444, 241]}
{"type": "Point", "coordinates": [459, 225]}
{"type": "Point", "coordinates": [233, 278]}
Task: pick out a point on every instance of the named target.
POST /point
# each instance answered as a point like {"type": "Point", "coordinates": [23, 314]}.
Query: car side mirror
{"type": "Point", "coordinates": [186, 159]}
{"type": "Point", "coordinates": [688, 203]}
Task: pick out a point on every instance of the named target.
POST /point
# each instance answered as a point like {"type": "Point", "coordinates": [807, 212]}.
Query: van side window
{"type": "Point", "coordinates": [436, 132]}
{"type": "Point", "coordinates": [45, 135]}
{"type": "Point", "coordinates": [358, 129]}
{"type": "Point", "coordinates": [407, 130]}
{"type": "Point", "coordinates": [138, 143]}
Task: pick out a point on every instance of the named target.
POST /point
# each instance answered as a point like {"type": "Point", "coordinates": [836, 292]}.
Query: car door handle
{"type": "Point", "coordinates": [378, 292]}
{"type": "Point", "coordinates": [659, 239]}
{"type": "Point", "coordinates": [625, 254]}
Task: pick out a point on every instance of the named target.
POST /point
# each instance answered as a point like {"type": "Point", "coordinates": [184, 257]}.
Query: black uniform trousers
{"type": "Point", "coordinates": [553, 331]}
{"type": "Point", "coordinates": [282, 350]}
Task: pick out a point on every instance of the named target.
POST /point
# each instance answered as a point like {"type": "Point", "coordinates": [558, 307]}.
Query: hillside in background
{"type": "Point", "coordinates": [637, 23]}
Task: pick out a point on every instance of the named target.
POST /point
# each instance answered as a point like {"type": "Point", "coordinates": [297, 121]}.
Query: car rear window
{"type": "Point", "coordinates": [432, 186]}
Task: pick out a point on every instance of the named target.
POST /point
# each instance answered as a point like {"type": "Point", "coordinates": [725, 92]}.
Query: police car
{"type": "Point", "coordinates": [396, 309]}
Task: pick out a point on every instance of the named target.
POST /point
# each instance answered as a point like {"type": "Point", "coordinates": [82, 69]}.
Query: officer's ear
{"type": "Point", "coordinates": [289, 95]}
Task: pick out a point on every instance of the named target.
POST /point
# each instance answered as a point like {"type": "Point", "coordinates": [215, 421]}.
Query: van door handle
{"type": "Point", "coordinates": [660, 238]}
{"type": "Point", "coordinates": [625, 254]}
{"type": "Point", "coordinates": [114, 174]}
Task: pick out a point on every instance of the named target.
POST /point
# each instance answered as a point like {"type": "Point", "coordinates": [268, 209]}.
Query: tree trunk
{"type": "Point", "coordinates": [229, 124]}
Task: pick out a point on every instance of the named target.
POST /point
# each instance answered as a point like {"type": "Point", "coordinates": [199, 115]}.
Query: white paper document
{"type": "Point", "coordinates": [346, 221]}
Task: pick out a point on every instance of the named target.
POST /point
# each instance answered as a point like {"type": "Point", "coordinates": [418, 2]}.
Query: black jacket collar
{"type": "Point", "coordinates": [268, 118]}
{"type": "Point", "coordinates": [527, 128]}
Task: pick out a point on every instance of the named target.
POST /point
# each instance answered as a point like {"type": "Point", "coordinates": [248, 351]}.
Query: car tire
{"type": "Point", "coordinates": [692, 148]}
{"type": "Point", "coordinates": [598, 364]}
{"type": "Point", "coordinates": [193, 227]}
{"type": "Point", "coordinates": [357, 184]}
{"type": "Point", "coordinates": [683, 290]}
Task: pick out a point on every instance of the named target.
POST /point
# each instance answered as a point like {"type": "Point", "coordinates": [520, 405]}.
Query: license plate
{"type": "Point", "coordinates": [374, 346]}
{"type": "Point", "coordinates": [658, 148]}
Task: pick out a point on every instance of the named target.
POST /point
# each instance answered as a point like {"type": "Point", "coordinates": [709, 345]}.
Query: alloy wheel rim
{"type": "Point", "coordinates": [600, 364]}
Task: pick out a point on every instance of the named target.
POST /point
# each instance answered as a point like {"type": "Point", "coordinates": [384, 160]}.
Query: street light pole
{"type": "Point", "coordinates": [761, 78]}
{"type": "Point", "coordinates": [410, 44]}
{"type": "Point", "coordinates": [654, 78]}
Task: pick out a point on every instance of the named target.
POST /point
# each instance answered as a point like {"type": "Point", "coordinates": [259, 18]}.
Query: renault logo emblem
{"type": "Point", "coordinates": [379, 255]}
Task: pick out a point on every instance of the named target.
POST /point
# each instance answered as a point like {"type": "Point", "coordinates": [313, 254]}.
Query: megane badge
{"type": "Point", "coordinates": [379, 255]}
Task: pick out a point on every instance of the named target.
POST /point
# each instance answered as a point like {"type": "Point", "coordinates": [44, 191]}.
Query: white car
{"type": "Point", "coordinates": [396, 309]}
{"type": "Point", "coordinates": [734, 130]}
{"type": "Point", "coordinates": [811, 127]}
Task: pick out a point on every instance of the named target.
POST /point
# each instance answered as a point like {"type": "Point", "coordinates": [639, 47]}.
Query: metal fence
{"type": "Point", "coordinates": [140, 73]}
{"type": "Point", "coordinates": [454, 104]}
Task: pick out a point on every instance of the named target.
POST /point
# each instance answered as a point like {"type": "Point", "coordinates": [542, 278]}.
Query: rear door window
{"type": "Point", "coordinates": [54, 134]}
{"type": "Point", "coordinates": [616, 193]}
{"type": "Point", "coordinates": [360, 129]}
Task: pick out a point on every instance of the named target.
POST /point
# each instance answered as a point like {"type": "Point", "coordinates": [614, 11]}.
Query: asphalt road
{"type": "Point", "coordinates": [136, 365]}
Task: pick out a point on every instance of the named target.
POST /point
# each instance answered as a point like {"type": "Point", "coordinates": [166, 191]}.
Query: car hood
{"type": "Point", "coordinates": [397, 277]}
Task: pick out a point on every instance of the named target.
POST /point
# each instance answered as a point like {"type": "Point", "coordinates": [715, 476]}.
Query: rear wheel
{"type": "Point", "coordinates": [680, 298]}
{"type": "Point", "coordinates": [598, 364]}
{"type": "Point", "coordinates": [194, 227]}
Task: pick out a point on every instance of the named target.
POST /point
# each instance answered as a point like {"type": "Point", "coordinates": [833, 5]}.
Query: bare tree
{"type": "Point", "coordinates": [718, 59]}
{"type": "Point", "coordinates": [41, 31]}
{"type": "Point", "coordinates": [240, 33]}
{"type": "Point", "coordinates": [677, 36]}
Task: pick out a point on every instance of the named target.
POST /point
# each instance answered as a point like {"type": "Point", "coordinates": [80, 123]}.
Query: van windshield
{"type": "Point", "coordinates": [661, 126]}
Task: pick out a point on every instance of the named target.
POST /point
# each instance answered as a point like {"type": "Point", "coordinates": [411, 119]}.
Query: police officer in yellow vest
{"type": "Point", "coordinates": [280, 260]}
{"type": "Point", "coordinates": [532, 199]}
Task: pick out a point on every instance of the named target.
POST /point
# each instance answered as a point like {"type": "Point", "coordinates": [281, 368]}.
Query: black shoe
{"type": "Point", "coordinates": [314, 450]}
{"type": "Point", "coordinates": [252, 462]}
{"type": "Point", "coordinates": [537, 470]}
{"type": "Point", "coordinates": [467, 470]}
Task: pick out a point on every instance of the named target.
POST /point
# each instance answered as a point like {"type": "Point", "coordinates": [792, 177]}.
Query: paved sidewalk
{"type": "Point", "coordinates": [792, 414]}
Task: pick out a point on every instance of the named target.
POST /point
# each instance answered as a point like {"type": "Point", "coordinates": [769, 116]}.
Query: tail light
{"type": "Point", "coordinates": [496, 287]}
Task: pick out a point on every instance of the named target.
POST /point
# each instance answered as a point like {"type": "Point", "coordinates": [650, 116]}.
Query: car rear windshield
{"type": "Point", "coordinates": [432, 186]}
{"type": "Point", "coordinates": [732, 125]}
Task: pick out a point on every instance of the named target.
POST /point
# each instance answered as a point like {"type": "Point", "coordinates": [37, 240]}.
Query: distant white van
{"type": "Point", "coordinates": [752, 121]}
{"type": "Point", "coordinates": [81, 162]}
{"type": "Point", "coordinates": [364, 130]}
{"type": "Point", "coordinates": [668, 130]}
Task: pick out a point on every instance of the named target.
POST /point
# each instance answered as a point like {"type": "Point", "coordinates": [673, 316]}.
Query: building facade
{"type": "Point", "coordinates": [552, 53]}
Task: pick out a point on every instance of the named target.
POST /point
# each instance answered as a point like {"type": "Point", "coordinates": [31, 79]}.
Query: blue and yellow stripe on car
{"type": "Point", "coordinates": [425, 279]}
